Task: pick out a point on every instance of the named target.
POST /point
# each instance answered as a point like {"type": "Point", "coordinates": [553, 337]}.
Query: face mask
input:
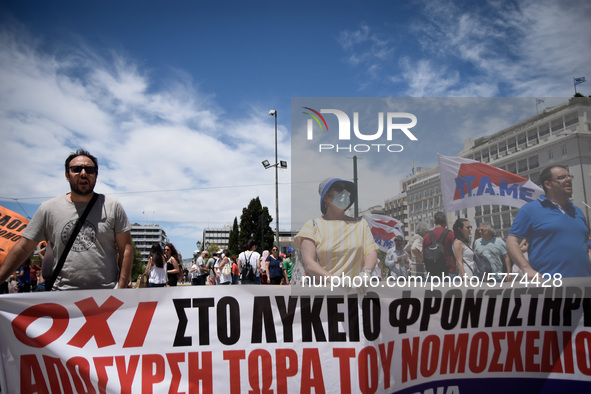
{"type": "Point", "coordinates": [342, 200]}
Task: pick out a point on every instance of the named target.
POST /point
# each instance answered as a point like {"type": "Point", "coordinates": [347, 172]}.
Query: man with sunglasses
{"type": "Point", "coordinates": [555, 229]}
{"type": "Point", "coordinates": [102, 256]}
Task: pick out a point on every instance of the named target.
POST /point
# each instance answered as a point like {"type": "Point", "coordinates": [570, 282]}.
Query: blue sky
{"type": "Point", "coordinates": [173, 97]}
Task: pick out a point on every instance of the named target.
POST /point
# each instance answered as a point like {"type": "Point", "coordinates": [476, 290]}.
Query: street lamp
{"type": "Point", "coordinates": [274, 113]}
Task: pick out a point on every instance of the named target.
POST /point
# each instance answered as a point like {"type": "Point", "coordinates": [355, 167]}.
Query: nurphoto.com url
{"type": "Point", "coordinates": [489, 280]}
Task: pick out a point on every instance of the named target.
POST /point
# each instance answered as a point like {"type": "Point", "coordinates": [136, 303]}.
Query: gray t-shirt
{"type": "Point", "coordinates": [92, 261]}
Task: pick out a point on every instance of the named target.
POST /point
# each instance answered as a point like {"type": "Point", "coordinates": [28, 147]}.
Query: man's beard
{"type": "Point", "coordinates": [75, 189]}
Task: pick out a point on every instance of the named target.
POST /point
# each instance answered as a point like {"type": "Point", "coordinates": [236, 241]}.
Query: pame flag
{"type": "Point", "coordinates": [468, 183]}
{"type": "Point", "coordinates": [384, 229]}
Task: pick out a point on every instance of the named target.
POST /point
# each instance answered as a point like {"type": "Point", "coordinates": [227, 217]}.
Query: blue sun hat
{"type": "Point", "coordinates": [325, 185]}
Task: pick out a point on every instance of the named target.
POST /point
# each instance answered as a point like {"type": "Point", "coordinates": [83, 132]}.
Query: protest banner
{"type": "Point", "coordinates": [429, 338]}
{"type": "Point", "coordinates": [11, 228]}
{"type": "Point", "coordinates": [468, 183]}
{"type": "Point", "coordinates": [384, 229]}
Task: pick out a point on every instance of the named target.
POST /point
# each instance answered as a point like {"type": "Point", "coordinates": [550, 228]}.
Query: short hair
{"type": "Point", "coordinates": [489, 228]}
{"type": "Point", "coordinates": [546, 174]}
{"type": "Point", "coordinates": [439, 218]}
{"type": "Point", "coordinates": [422, 228]}
{"type": "Point", "coordinates": [81, 152]}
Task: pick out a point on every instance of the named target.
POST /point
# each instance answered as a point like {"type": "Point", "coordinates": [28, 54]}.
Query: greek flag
{"type": "Point", "coordinates": [579, 80]}
{"type": "Point", "coordinates": [539, 101]}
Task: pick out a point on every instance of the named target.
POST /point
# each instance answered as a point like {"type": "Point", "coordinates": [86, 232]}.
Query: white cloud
{"type": "Point", "coordinates": [525, 48]}
{"type": "Point", "coordinates": [169, 155]}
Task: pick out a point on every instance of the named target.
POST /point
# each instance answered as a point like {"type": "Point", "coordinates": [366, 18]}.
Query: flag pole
{"type": "Point", "coordinates": [575, 85]}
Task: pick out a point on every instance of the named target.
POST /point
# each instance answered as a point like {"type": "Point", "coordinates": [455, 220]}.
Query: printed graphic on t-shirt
{"type": "Point", "coordinates": [85, 239]}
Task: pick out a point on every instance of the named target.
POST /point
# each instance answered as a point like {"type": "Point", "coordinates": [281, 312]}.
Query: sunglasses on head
{"type": "Point", "coordinates": [78, 169]}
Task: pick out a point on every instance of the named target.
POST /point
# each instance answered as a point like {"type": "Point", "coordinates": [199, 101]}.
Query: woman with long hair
{"type": "Point", "coordinates": [172, 264]}
{"type": "Point", "coordinates": [156, 267]}
{"type": "Point", "coordinates": [273, 267]}
{"type": "Point", "coordinates": [463, 254]}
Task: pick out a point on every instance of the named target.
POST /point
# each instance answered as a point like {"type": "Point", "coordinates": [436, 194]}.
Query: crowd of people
{"type": "Point", "coordinates": [249, 267]}
{"type": "Point", "coordinates": [548, 236]}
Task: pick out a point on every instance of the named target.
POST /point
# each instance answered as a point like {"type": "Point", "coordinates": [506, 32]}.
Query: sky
{"type": "Point", "coordinates": [173, 97]}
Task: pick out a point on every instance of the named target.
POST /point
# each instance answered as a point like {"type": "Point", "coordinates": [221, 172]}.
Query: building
{"type": "Point", "coordinates": [218, 236]}
{"type": "Point", "coordinates": [559, 135]}
{"type": "Point", "coordinates": [144, 236]}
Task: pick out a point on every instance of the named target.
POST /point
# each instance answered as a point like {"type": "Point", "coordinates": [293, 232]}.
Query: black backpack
{"type": "Point", "coordinates": [434, 255]}
{"type": "Point", "coordinates": [247, 269]}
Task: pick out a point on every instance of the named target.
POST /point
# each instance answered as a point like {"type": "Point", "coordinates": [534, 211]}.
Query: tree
{"type": "Point", "coordinates": [212, 248]}
{"type": "Point", "coordinates": [137, 268]}
{"type": "Point", "coordinates": [233, 239]}
{"type": "Point", "coordinates": [255, 223]}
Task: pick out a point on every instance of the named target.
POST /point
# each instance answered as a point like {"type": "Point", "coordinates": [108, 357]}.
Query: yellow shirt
{"type": "Point", "coordinates": [341, 246]}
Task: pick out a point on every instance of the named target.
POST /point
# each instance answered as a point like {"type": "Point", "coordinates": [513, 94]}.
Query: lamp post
{"type": "Point", "coordinates": [274, 113]}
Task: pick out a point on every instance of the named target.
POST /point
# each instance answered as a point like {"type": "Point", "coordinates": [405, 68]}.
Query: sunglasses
{"type": "Point", "coordinates": [563, 177]}
{"type": "Point", "coordinates": [78, 169]}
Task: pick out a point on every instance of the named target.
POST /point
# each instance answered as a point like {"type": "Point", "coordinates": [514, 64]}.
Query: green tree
{"type": "Point", "coordinates": [137, 268]}
{"type": "Point", "coordinates": [233, 239]}
{"type": "Point", "coordinates": [255, 223]}
{"type": "Point", "coordinates": [213, 247]}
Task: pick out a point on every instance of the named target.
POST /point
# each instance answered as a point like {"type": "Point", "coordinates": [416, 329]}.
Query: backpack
{"type": "Point", "coordinates": [434, 255]}
{"type": "Point", "coordinates": [247, 271]}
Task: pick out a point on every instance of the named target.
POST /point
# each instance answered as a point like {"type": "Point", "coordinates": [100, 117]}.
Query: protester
{"type": "Point", "coordinates": [273, 268]}
{"type": "Point", "coordinates": [287, 265]}
{"type": "Point", "coordinates": [199, 270]}
{"type": "Point", "coordinates": [172, 264]}
{"type": "Point", "coordinates": [414, 249]}
{"type": "Point", "coordinates": [336, 244]}
{"type": "Point", "coordinates": [224, 261]}
{"type": "Point", "coordinates": [556, 230]}
{"type": "Point", "coordinates": [210, 266]}
{"type": "Point", "coordinates": [235, 271]}
{"type": "Point", "coordinates": [263, 264]}
{"type": "Point", "coordinates": [397, 261]}
{"type": "Point", "coordinates": [23, 277]}
{"type": "Point", "coordinates": [156, 267]}
{"type": "Point", "coordinates": [446, 264]}
{"type": "Point", "coordinates": [248, 263]}
{"type": "Point", "coordinates": [102, 254]}
{"type": "Point", "coordinates": [493, 249]}
{"type": "Point", "coordinates": [194, 271]}
{"type": "Point", "coordinates": [464, 255]}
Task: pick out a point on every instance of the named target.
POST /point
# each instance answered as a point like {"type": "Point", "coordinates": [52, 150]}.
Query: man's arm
{"type": "Point", "coordinates": [517, 256]}
{"type": "Point", "coordinates": [123, 241]}
{"type": "Point", "coordinates": [19, 253]}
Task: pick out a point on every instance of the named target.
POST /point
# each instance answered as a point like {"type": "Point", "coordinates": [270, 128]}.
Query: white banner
{"type": "Point", "coordinates": [279, 339]}
{"type": "Point", "coordinates": [468, 183]}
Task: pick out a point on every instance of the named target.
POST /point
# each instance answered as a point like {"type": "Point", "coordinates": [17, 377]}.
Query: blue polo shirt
{"type": "Point", "coordinates": [557, 238]}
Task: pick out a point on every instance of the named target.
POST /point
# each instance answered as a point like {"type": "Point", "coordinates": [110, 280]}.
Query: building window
{"type": "Point", "coordinates": [563, 150]}
{"type": "Point", "coordinates": [533, 162]}
{"type": "Point", "coordinates": [550, 155]}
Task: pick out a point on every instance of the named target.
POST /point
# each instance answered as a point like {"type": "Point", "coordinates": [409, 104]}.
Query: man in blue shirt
{"type": "Point", "coordinates": [555, 229]}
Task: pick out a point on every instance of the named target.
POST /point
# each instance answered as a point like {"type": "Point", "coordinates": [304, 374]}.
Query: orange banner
{"type": "Point", "coordinates": [12, 226]}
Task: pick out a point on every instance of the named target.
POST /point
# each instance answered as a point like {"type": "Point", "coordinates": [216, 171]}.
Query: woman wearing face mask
{"type": "Point", "coordinates": [336, 244]}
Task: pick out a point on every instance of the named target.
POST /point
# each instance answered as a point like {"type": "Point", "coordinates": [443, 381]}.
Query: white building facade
{"type": "Point", "coordinates": [144, 236]}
